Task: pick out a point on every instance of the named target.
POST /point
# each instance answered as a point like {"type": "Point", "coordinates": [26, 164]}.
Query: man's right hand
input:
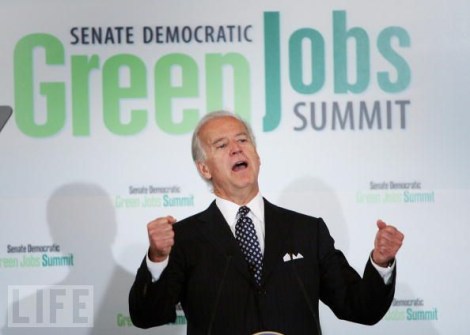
{"type": "Point", "coordinates": [161, 238]}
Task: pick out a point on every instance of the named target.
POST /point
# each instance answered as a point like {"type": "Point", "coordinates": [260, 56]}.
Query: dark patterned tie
{"type": "Point", "coordinates": [246, 236]}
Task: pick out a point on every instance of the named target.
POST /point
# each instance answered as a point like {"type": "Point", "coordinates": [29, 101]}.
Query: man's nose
{"type": "Point", "coordinates": [235, 148]}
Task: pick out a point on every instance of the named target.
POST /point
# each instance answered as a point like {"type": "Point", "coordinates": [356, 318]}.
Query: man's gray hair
{"type": "Point", "coordinates": [196, 146]}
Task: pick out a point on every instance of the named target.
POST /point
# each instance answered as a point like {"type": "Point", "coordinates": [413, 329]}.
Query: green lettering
{"type": "Point", "coordinates": [81, 68]}
{"type": "Point", "coordinates": [114, 92]}
{"type": "Point", "coordinates": [272, 76]}
{"type": "Point", "coordinates": [341, 36]}
{"type": "Point", "coordinates": [215, 65]}
{"type": "Point", "coordinates": [403, 70]}
{"type": "Point", "coordinates": [54, 92]}
{"type": "Point", "coordinates": [296, 71]}
{"type": "Point", "coordinates": [176, 76]}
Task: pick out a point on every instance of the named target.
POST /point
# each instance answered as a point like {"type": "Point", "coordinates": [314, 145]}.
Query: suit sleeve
{"type": "Point", "coordinates": [351, 297]}
{"type": "Point", "coordinates": [153, 303]}
{"type": "Point", "coordinates": [149, 306]}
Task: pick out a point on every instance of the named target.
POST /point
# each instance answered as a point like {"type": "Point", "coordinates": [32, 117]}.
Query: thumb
{"type": "Point", "coordinates": [381, 224]}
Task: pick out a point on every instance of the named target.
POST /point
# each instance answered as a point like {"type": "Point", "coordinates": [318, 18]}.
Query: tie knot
{"type": "Point", "coordinates": [243, 211]}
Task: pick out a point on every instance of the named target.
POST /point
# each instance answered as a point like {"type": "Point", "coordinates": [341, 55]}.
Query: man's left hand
{"type": "Point", "coordinates": [387, 243]}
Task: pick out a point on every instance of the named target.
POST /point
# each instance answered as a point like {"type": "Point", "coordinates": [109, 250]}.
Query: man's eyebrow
{"type": "Point", "coordinates": [218, 140]}
{"type": "Point", "coordinates": [243, 133]}
{"type": "Point", "coordinates": [224, 138]}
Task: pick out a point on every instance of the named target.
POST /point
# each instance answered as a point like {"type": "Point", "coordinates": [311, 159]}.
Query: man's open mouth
{"type": "Point", "coordinates": [239, 166]}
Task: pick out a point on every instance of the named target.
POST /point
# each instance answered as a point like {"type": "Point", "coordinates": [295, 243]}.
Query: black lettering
{"type": "Point", "coordinates": [298, 113]}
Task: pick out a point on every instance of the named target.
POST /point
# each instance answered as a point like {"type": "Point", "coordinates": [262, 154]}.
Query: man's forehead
{"type": "Point", "coordinates": [223, 127]}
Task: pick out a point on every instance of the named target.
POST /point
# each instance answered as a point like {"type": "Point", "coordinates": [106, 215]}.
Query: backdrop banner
{"type": "Point", "coordinates": [360, 110]}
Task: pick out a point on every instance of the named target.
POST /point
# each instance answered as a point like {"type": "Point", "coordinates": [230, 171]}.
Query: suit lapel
{"type": "Point", "coordinates": [217, 231]}
{"type": "Point", "coordinates": [276, 237]}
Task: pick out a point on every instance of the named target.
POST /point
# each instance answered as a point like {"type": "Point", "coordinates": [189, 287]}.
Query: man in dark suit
{"type": "Point", "coordinates": [200, 261]}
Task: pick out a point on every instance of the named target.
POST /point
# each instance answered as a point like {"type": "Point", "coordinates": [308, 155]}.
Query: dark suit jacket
{"type": "Point", "coordinates": [209, 276]}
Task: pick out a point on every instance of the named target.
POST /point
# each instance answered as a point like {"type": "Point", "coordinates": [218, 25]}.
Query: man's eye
{"type": "Point", "coordinates": [221, 146]}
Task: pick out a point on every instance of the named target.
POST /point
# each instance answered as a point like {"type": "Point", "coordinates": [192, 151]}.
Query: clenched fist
{"type": "Point", "coordinates": [161, 238]}
{"type": "Point", "coordinates": [387, 243]}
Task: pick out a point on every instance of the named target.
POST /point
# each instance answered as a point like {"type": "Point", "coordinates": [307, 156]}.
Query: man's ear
{"type": "Point", "coordinates": [204, 170]}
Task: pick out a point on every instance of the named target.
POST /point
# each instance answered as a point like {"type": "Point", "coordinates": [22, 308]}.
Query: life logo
{"type": "Point", "coordinates": [44, 106]}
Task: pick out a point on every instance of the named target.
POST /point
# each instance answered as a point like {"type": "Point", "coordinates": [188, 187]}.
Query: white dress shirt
{"type": "Point", "coordinates": [256, 205]}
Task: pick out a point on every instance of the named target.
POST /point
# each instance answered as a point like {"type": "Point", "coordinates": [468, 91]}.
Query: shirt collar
{"type": "Point", "coordinates": [230, 209]}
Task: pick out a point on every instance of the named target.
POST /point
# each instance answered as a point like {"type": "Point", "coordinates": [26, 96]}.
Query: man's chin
{"type": "Point", "coordinates": [246, 184]}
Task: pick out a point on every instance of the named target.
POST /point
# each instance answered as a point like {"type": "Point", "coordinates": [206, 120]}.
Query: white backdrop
{"type": "Point", "coordinates": [361, 111]}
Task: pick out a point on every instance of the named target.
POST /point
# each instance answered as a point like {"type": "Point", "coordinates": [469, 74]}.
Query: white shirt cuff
{"type": "Point", "coordinates": [155, 268]}
{"type": "Point", "coordinates": [385, 273]}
